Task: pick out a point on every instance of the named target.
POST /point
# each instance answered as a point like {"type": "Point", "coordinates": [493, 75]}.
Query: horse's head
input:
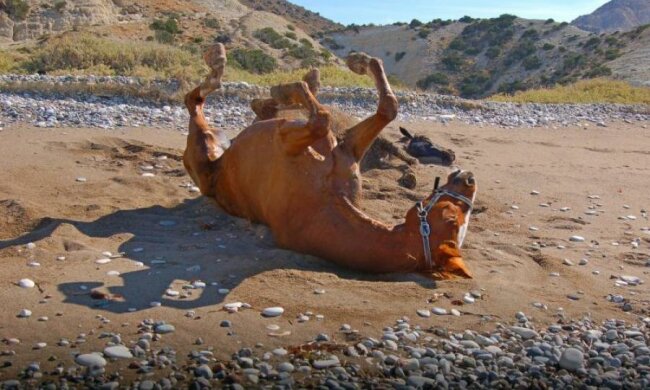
{"type": "Point", "coordinates": [443, 219]}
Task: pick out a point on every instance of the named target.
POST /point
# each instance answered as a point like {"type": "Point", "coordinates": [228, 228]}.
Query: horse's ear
{"type": "Point", "coordinates": [405, 133]}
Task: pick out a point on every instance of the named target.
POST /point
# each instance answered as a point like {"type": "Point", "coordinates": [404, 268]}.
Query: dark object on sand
{"type": "Point", "coordinates": [426, 151]}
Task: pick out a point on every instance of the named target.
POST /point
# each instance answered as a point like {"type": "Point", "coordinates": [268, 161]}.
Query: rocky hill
{"type": "Point", "coordinates": [478, 57]}
{"type": "Point", "coordinates": [263, 40]}
{"type": "Point", "coordinates": [308, 21]}
{"type": "Point", "coordinates": [617, 15]}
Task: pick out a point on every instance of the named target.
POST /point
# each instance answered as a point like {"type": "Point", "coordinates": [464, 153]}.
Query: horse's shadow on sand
{"type": "Point", "coordinates": [194, 240]}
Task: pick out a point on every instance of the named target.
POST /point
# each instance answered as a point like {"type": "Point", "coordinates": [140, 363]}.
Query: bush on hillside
{"type": "Point", "coordinates": [17, 9]}
{"type": "Point", "coordinates": [399, 56]}
{"type": "Point", "coordinates": [272, 38]}
{"type": "Point", "coordinates": [493, 52]}
{"type": "Point", "coordinates": [433, 79]}
{"type": "Point", "coordinates": [532, 62]}
{"type": "Point", "coordinates": [453, 62]}
{"type": "Point", "coordinates": [254, 60]}
{"type": "Point", "coordinates": [548, 46]}
{"type": "Point", "coordinates": [415, 23]}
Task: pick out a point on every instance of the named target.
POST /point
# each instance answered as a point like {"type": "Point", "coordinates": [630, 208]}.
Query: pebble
{"type": "Point", "coordinates": [103, 261]}
{"type": "Point", "coordinates": [524, 333]}
{"type": "Point", "coordinates": [272, 311]}
{"type": "Point", "coordinates": [40, 345]}
{"type": "Point", "coordinates": [90, 360]}
{"type": "Point", "coordinates": [165, 328]}
{"type": "Point", "coordinates": [583, 261]}
{"type": "Point", "coordinates": [25, 313]}
{"type": "Point", "coordinates": [424, 313]}
{"type": "Point", "coordinates": [172, 293]}
{"type": "Point", "coordinates": [26, 283]}
{"type": "Point", "coordinates": [439, 311]}
{"type": "Point", "coordinates": [567, 262]}
{"type": "Point", "coordinates": [571, 359]}
{"type": "Point", "coordinates": [118, 352]}
{"type": "Point", "coordinates": [576, 239]}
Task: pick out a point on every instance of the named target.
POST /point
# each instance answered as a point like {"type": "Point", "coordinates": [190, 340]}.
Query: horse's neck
{"type": "Point", "coordinates": [371, 245]}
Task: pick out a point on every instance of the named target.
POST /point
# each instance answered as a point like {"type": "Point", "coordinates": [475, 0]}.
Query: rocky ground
{"type": "Point", "coordinates": [110, 277]}
{"type": "Point", "coordinates": [230, 108]}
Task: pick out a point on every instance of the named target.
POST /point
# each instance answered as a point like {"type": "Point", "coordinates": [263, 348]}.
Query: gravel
{"type": "Point", "coordinates": [229, 109]}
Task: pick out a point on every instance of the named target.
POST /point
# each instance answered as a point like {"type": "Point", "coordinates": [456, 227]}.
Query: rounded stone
{"type": "Point", "coordinates": [118, 352]}
{"type": "Point", "coordinates": [572, 359]}
{"type": "Point", "coordinates": [165, 328]}
{"type": "Point", "coordinates": [272, 311]}
{"type": "Point", "coordinates": [90, 360]}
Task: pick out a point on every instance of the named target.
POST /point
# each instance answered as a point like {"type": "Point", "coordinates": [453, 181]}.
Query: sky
{"type": "Point", "coordinates": [389, 11]}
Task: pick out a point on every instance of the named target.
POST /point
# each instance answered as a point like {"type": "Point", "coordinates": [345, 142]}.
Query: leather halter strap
{"type": "Point", "coordinates": [423, 212]}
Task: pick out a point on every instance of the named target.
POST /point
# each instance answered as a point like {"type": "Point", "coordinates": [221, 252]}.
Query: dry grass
{"type": "Point", "coordinates": [331, 75]}
{"type": "Point", "coordinates": [585, 91]}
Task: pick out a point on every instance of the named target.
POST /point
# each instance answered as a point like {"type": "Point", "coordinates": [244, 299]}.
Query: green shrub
{"type": "Point", "coordinates": [17, 9]}
{"type": "Point", "coordinates": [457, 44]}
{"type": "Point", "coordinates": [453, 62]}
{"type": "Point", "coordinates": [521, 51]}
{"type": "Point", "coordinates": [399, 56]}
{"type": "Point", "coordinates": [512, 87]}
{"type": "Point", "coordinates": [433, 79]}
{"type": "Point", "coordinates": [254, 60]}
{"type": "Point", "coordinates": [59, 5]}
{"type": "Point", "coordinates": [612, 41]}
{"type": "Point", "coordinates": [332, 44]}
{"type": "Point", "coordinates": [561, 49]}
{"type": "Point", "coordinates": [211, 23]}
{"type": "Point", "coordinates": [548, 46]}
{"type": "Point", "coordinates": [415, 23]}
{"type": "Point", "coordinates": [170, 26]}
{"type": "Point", "coordinates": [612, 54]}
{"type": "Point", "coordinates": [475, 85]}
{"type": "Point", "coordinates": [197, 40]}
{"type": "Point", "coordinates": [472, 51]}
{"type": "Point", "coordinates": [573, 61]}
{"type": "Point", "coordinates": [291, 35]}
{"type": "Point", "coordinates": [530, 34]}
{"type": "Point", "coordinates": [532, 62]}
{"type": "Point", "coordinates": [549, 21]}
{"type": "Point", "coordinates": [592, 42]}
{"type": "Point", "coordinates": [306, 42]}
{"type": "Point", "coordinates": [163, 36]}
{"type": "Point", "coordinates": [291, 27]}
{"type": "Point", "coordinates": [493, 52]}
{"type": "Point", "coordinates": [302, 52]}
{"type": "Point", "coordinates": [326, 55]}
{"type": "Point", "coordinates": [598, 71]}
{"type": "Point", "coordinates": [424, 33]}
{"type": "Point", "coordinates": [466, 19]}
{"type": "Point", "coordinates": [272, 38]}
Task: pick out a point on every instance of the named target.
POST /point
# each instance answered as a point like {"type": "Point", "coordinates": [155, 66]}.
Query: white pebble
{"type": "Point", "coordinates": [424, 313]}
{"type": "Point", "coordinates": [113, 273]}
{"type": "Point", "coordinates": [30, 245]}
{"type": "Point", "coordinates": [455, 312]}
{"type": "Point", "coordinates": [172, 293]}
{"type": "Point", "coordinates": [194, 189]}
{"type": "Point", "coordinates": [272, 311]}
{"type": "Point", "coordinates": [155, 304]}
{"type": "Point", "coordinates": [60, 258]}
{"type": "Point", "coordinates": [439, 311]}
{"type": "Point", "coordinates": [223, 291]}
{"type": "Point", "coordinates": [514, 207]}
{"type": "Point", "coordinates": [33, 264]}
{"type": "Point", "coordinates": [554, 274]}
{"type": "Point", "coordinates": [469, 299]}
{"type": "Point", "coordinates": [26, 283]}
{"type": "Point", "coordinates": [534, 192]}
{"type": "Point", "coordinates": [25, 313]}
{"type": "Point", "coordinates": [81, 179]}
{"type": "Point", "coordinates": [533, 228]}
{"type": "Point", "coordinates": [148, 174]}
{"type": "Point", "coordinates": [103, 261]}
{"type": "Point", "coordinates": [576, 239]}
{"type": "Point", "coordinates": [40, 345]}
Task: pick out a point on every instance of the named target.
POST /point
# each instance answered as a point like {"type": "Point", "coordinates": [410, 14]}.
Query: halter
{"type": "Point", "coordinates": [423, 212]}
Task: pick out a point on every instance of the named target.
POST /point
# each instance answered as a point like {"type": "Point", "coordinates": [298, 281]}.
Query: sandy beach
{"type": "Point", "coordinates": [76, 193]}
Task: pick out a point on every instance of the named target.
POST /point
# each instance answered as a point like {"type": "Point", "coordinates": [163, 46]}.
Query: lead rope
{"type": "Point", "coordinates": [423, 212]}
{"type": "Point", "coordinates": [425, 229]}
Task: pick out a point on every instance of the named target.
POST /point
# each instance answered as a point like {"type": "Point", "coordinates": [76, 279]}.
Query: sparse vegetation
{"type": "Point", "coordinates": [88, 54]}
{"type": "Point", "coordinates": [399, 56]}
{"type": "Point", "coordinates": [272, 38]}
{"type": "Point", "coordinates": [532, 62]}
{"type": "Point", "coordinates": [211, 23]}
{"type": "Point", "coordinates": [584, 91]}
{"type": "Point", "coordinates": [165, 31]}
{"type": "Point", "coordinates": [253, 60]}
{"type": "Point", "coordinates": [437, 78]}
{"type": "Point", "coordinates": [17, 9]}
{"type": "Point", "coordinates": [453, 62]}
{"type": "Point", "coordinates": [415, 23]}
{"type": "Point", "coordinates": [59, 5]}
{"type": "Point", "coordinates": [548, 46]}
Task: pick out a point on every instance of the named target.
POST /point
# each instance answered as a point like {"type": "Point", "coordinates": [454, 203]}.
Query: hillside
{"type": "Point", "coordinates": [306, 20]}
{"type": "Point", "coordinates": [478, 57]}
{"type": "Point", "coordinates": [617, 15]}
{"type": "Point", "coordinates": [260, 41]}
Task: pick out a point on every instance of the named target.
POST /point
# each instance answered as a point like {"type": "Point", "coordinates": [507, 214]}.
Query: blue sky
{"type": "Point", "coordinates": [389, 11]}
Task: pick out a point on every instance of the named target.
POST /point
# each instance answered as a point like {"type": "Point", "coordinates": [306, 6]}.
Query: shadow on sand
{"type": "Point", "coordinates": [194, 240]}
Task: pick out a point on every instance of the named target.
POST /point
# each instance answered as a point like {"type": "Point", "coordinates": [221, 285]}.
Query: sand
{"type": "Point", "coordinates": [118, 210]}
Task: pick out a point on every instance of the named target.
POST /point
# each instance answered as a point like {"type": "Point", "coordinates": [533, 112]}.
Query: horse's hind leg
{"type": "Point", "coordinates": [359, 138]}
{"type": "Point", "coordinates": [204, 144]}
